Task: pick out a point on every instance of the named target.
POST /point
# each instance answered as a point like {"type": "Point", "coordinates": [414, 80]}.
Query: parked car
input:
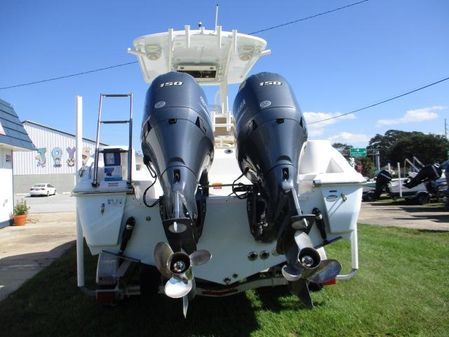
{"type": "Point", "coordinates": [42, 189]}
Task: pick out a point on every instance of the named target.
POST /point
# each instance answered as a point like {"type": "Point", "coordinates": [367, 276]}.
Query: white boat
{"type": "Point", "coordinates": [421, 193]}
{"type": "Point", "coordinates": [231, 201]}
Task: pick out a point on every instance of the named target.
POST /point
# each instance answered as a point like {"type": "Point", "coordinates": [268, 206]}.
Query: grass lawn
{"type": "Point", "coordinates": [402, 289]}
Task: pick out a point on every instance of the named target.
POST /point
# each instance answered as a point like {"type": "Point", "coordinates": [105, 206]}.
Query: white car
{"type": "Point", "coordinates": [42, 189]}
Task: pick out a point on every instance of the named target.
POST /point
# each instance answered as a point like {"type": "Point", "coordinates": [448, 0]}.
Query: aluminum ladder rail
{"type": "Point", "coordinates": [129, 121]}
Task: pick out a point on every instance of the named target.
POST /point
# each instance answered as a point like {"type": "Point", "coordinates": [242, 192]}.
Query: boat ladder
{"type": "Point", "coordinates": [101, 121]}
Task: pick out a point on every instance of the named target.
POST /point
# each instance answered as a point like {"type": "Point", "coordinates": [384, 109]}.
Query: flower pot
{"type": "Point", "coordinates": [20, 220]}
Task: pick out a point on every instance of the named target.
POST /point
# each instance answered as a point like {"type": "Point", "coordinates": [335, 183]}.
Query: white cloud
{"type": "Point", "coordinates": [349, 138]}
{"type": "Point", "coordinates": [414, 116]}
{"type": "Point", "coordinates": [317, 129]}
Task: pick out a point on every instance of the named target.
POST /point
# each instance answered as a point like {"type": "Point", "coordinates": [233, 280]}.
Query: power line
{"type": "Point", "coordinates": [68, 76]}
{"type": "Point", "coordinates": [381, 102]}
{"type": "Point", "coordinates": [308, 17]}
{"type": "Point", "coordinates": [134, 62]}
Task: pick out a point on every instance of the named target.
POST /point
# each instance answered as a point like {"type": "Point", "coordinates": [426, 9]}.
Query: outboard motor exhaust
{"type": "Point", "coordinates": [270, 132]}
{"type": "Point", "coordinates": [177, 139]}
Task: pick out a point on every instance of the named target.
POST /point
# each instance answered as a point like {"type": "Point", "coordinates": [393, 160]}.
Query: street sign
{"type": "Point", "coordinates": [358, 152]}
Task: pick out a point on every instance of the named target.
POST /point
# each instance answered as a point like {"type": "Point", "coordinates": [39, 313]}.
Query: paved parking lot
{"type": "Point", "coordinates": [375, 213]}
{"type": "Point", "coordinates": [25, 250]}
{"type": "Point", "coordinates": [51, 204]}
{"type": "Point", "coordinates": [408, 216]}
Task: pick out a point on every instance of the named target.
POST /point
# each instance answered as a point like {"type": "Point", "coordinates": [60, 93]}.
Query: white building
{"type": "Point", "coordinates": [13, 137]}
{"type": "Point", "coordinates": [52, 162]}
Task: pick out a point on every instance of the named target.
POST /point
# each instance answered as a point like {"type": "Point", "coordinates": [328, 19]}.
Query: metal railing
{"type": "Point", "coordinates": [129, 121]}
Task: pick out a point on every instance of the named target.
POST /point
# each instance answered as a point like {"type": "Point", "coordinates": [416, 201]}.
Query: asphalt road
{"type": "Point", "coordinates": [425, 217]}
{"type": "Point", "coordinates": [25, 250]}
{"type": "Point", "coordinates": [51, 204]}
{"type": "Point", "coordinates": [374, 213]}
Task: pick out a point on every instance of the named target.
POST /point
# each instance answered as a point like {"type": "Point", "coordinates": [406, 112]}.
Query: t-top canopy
{"type": "Point", "coordinates": [213, 57]}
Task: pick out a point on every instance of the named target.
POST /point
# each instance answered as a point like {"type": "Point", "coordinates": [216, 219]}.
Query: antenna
{"type": "Point", "coordinates": [216, 16]}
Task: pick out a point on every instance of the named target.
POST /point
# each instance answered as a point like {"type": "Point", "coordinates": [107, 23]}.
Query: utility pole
{"type": "Point", "coordinates": [445, 128]}
{"type": "Point", "coordinates": [378, 159]}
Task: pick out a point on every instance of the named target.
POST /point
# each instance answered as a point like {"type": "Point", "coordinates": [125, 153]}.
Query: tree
{"type": "Point", "coordinates": [366, 162]}
{"type": "Point", "coordinates": [344, 149]}
{"type": "Point", "coordinates": [395, 146]}
{"type": "Point", "coordinates": [427, 148]}
{"type": "Point", "coordinates": [368, 166]}
{"type": "Point", "coordinates": [383, 144]}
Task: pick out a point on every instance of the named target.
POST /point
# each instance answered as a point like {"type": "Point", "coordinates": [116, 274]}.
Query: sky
{"type": "Point", "coordinates": [335, 63]}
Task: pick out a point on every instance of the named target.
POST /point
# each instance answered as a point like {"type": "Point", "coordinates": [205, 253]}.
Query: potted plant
{"type": "Point", "coordinates": [20, 213]}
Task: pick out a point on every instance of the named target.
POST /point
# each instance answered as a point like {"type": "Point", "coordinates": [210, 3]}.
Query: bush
{"type": "Point", "coordinates": [21, 208]}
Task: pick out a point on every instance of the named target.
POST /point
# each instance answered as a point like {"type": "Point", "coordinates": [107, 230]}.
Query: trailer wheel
{"type": "Point", "coordinates": [422, 198]}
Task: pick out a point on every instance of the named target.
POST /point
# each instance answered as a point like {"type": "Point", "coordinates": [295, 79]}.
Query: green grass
{"type": "Point", "coordinates": [402, 289]}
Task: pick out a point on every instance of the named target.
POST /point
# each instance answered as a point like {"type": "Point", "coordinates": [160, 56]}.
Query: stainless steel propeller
{"type": "Point", "coordinates": [162, 253]}
{"type": "Point", "coordinates": [304, 265]}
{"type": "Point", "coordinates": [302, 258]}
{"type": "Point", "coordinates": [308, 265]}
{"type": "Point", "coordinates": [177, 267]}
{"type": "Point", "coordinates": [328, 270]}
{"type": "Point", "coordinates": [177, 288]}
{"type": "Point", "coordinates": [185, 305]}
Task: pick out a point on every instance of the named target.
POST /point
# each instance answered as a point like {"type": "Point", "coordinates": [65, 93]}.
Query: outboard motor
{"type": "Point", "coordinates": [427, 173]}
{"type": "Point", "coordinates": [382, 180]}
{"type": "Point", "coordinates": [446, 193]}
{"type": "Point", "coordinates": [270, 132]}
{"type": "Point", "coordinates": [177, 139]}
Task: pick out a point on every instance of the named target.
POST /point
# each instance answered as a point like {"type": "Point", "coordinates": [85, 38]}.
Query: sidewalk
{"type": "Point", "coordinates": [26, 250]}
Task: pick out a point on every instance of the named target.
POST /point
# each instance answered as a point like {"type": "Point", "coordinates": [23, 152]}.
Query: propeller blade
{"type": "Point", "coordinates": [291, 273]}
{"type": "Point", "coordinates": [186, 299]}
{"type": "Point", "coordinates": [328, 270]}
{"type": "Point", "coordinates": [301, 289]}
{"type": "Point", "coordinates": [200, 257]}
{"type": "Point", "coordinates": [192, 292]}
{"type": "Point", "coordinates": [185, 305]}
{"type": "Point", "coordinates": [302, 240]}
{"type": "Point", "coordinates": [177, 288]}
{"type": "Point", "coordinates": [162, 253]}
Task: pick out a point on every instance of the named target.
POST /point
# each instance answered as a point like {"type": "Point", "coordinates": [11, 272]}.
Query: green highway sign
{"type": "Point", "coordinates": [358, 152]}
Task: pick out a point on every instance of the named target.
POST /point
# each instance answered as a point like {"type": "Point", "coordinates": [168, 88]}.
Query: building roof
{"type": "Point", "coordinates": [27, 122]}
{"type": "Point", "coordinates": [12, 132]}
